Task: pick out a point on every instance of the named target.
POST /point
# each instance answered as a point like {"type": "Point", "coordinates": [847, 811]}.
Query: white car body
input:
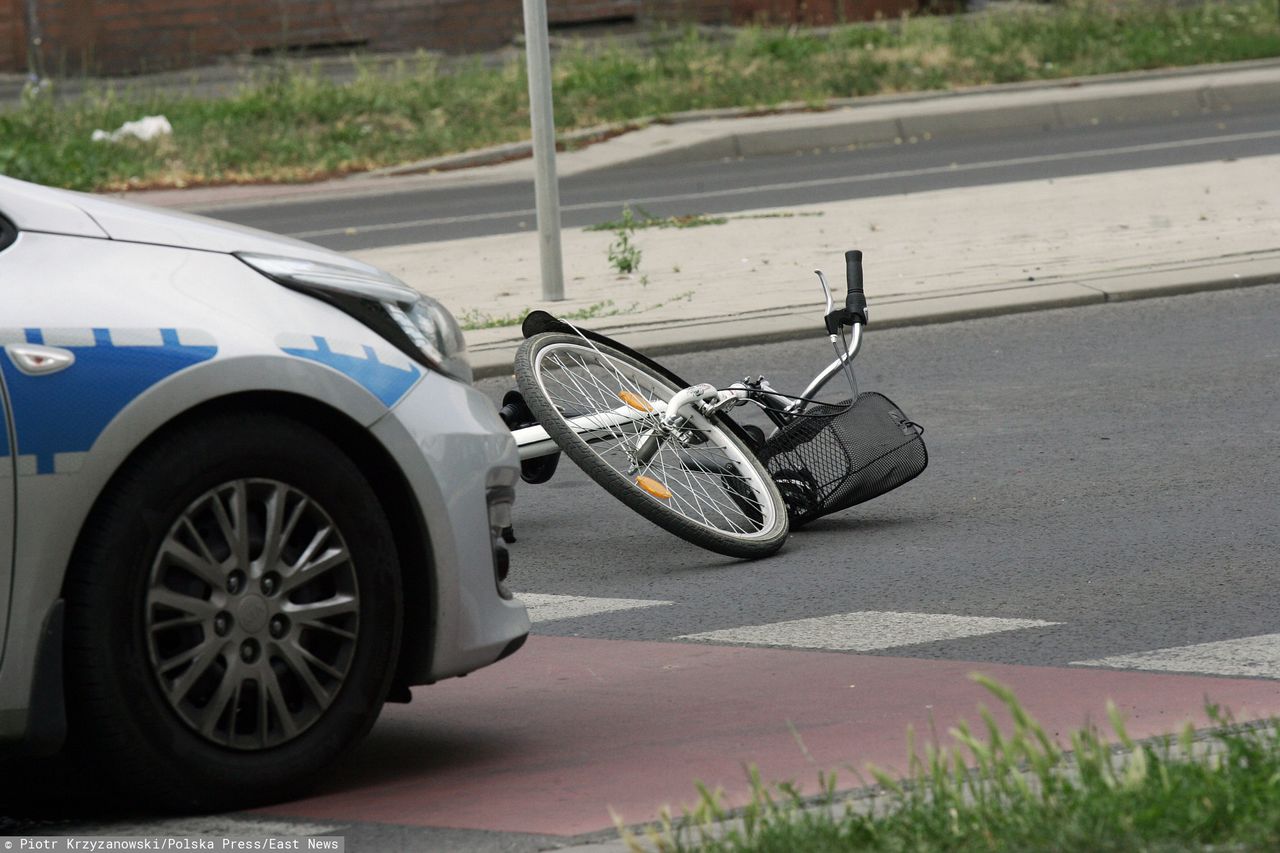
{"type": "Point", "coordinates": [162, 320]}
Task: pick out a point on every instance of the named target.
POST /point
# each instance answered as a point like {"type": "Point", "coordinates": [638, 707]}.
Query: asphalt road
{"type": "Point", "coordinates": [1114, 469]}
{"type": "Point", "coordinates": [916, 165]}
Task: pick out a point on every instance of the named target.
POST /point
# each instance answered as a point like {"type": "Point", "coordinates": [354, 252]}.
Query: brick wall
{"type": "Point", "coordinates": [583, 11]}
{"type": "Point", "coordinates": [13, 36]}
{"type": "Point", "coordinates": [124, 36]}
{"type": "Point", "coordinates": [131, 36]}
{"type": "Point", "coordinates": [689, 11]}
{"type": "Point", "coordinates": [817, 12]}
{"type": "Point", "coordinates": [456, 26]}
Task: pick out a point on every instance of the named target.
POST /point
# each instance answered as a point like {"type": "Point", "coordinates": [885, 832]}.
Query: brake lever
{"type": "Point", "coordinates": [833, 317]}
{"type": "Point", "coordinates": [826, 291]}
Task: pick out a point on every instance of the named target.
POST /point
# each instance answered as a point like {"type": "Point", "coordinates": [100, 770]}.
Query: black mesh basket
{"type": "Point", "coordinates": [826, 464]}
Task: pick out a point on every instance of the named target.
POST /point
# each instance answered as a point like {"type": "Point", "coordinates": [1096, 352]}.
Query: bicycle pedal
{"type": "Point", "coordinates": [540, 469]}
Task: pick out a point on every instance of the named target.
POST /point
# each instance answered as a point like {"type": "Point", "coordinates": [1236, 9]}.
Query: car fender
{"type": "Point", "coordinates": [455, 452]}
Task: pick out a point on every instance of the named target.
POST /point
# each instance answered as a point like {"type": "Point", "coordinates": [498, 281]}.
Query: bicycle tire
{"type": "Point", "coordinates": [726, 503]}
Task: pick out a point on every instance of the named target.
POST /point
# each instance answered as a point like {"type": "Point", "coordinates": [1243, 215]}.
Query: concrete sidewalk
{"type": "Point", "coordinates": [930, 256]}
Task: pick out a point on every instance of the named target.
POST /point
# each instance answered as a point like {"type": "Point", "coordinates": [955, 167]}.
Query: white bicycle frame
{"type": "Point", "coordinates": [533, 441]}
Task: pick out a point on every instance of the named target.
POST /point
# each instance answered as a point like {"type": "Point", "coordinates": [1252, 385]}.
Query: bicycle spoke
{"type": "Point", "coordinates": [604, 398]}
{"type": "Point", "coordinates": [701, 498]}
{"type": "Point", "coordinates": [718, 478]}
{"type": "Point", "coordinates": [691, 505]}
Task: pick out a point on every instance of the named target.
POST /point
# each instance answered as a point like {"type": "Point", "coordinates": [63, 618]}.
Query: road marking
{"type": "Point", "coordinates": [951, 168]}
{"type": "Point", "coordinates": [548, 608]}
{"type": "Point", "coordinates": [866, 630]}
{"type": "Point", "coordinates": [1253, 657]}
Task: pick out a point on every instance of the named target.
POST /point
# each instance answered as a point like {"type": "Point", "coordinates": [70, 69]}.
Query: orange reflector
{"type": "Point", "coordinates": [653, 487]}
{"type": "Point", "coordinates": [635, 401]}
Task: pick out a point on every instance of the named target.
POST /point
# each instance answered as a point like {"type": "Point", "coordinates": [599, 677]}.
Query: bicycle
{"type": "Point", "coordinates": [669, 450]}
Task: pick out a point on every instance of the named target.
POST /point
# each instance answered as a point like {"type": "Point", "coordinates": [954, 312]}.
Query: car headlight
{"type": "Point", "coordinates": [416, 324]}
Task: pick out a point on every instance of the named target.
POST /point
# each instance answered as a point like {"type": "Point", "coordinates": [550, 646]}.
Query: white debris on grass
{"type": "Point", "coordinates": [145, 128]}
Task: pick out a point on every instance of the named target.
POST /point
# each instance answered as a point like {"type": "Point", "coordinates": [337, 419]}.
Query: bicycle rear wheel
{"type": "Point", "coordinates": [699, 481]}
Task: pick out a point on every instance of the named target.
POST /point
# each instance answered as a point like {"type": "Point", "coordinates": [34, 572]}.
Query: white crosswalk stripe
{"type": "Point", "coordinates": [1255, 657]}
{"type": "Point", "coordinates": [877, 630]}
{"type": "Point", "coordinates": [548, 608]}
{"type": "Point", "coordinates": [866, 630]}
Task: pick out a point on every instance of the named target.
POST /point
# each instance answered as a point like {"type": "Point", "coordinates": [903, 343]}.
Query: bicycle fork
{"type": "Point", "coordinates": [670, 426]}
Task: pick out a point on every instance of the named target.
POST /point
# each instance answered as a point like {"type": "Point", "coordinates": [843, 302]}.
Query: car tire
{"type": "Point", "coordinates": [301, 663]}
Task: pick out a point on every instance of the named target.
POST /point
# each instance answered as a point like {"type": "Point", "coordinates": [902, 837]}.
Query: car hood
{"type": "Point", "coordinates": [36, 208]}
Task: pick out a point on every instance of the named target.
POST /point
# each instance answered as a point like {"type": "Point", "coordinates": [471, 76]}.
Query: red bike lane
{"type": "Point", "coordinates": [570, 731]}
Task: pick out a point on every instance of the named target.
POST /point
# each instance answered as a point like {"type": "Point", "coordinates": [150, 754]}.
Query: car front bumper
{"type": "Point", "coordinates": [461, 464]}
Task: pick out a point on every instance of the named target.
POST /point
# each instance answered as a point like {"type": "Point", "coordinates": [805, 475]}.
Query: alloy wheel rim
{"type": "Point", "coordinates": [251, 614]}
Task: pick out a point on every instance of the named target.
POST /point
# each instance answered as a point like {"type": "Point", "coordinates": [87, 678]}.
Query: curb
{"type": "Point", "coordinates": [787, 323]}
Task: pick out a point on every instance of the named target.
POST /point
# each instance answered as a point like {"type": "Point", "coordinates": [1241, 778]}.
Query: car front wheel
{"type": "Point", "coordinates": [233, 614]}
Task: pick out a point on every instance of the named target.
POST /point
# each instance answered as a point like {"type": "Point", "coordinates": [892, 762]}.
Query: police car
{"type": "Point", "coordinates": [247, 494]}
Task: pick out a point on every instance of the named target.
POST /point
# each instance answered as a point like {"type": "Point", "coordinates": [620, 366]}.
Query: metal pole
{"type": "Point", "coordinates": [545, 186]}
{"type": "Point", "coordinates": [35, 62]}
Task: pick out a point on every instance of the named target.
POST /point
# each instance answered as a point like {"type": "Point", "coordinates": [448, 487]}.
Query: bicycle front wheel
{"type": "Point", "coordinates": [604, 409]}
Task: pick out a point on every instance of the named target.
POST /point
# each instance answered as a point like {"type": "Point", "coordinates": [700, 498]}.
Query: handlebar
{"type": "Point", "coordinates": [855, 303]}
{"type": "Point", "coordinates": [854, 312]}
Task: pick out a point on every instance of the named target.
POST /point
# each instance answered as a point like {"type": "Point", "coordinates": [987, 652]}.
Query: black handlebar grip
{"type": "Point", "coordinates": [855, 303]}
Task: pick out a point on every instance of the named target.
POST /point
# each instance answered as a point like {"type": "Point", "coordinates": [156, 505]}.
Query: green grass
{"type": "Point", "coordinates": [296, 126]}
{"type": "Point", "coordinates": [1020, 791]}
{"type": "Point", "coordinates": [476, 319]}
{"type": "Point", "coordinates": [644, 219]}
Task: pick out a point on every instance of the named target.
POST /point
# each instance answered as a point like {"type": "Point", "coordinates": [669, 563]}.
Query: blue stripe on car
{"type": "Point", "coordinates": [66, 412]}
{"type": "Point", "coordinates": [385, 381]}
